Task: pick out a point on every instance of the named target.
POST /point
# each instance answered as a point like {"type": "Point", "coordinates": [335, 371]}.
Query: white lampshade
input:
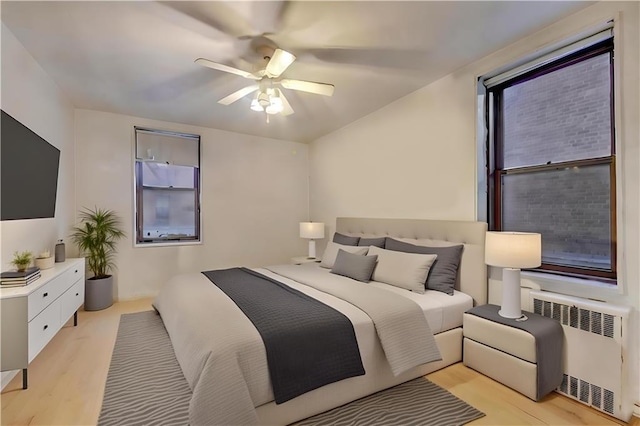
{"type": "Point", "coordinates": [513, 249]}
{"type": "Point", "coordinates": [312, 230]}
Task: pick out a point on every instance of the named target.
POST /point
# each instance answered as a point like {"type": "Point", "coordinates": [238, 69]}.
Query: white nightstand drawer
{"type": "Point", "coordinates": [501, 337]}
{"type": "Point", "coordinates": [42, 328]}
{"type": "Point", "coordinates": [504, 368]}
{"type": "Point", "coordinates": [71, 301]}
{"type": "Point", "coordinates": [42, 297]}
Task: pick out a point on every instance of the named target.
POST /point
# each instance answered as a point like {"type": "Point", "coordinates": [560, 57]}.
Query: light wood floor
{"type": "Point", "coordinates": [66, 383]}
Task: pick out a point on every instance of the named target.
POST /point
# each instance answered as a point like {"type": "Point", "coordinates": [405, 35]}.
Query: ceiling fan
{"type": "Point", "coordinates": [269, 98]}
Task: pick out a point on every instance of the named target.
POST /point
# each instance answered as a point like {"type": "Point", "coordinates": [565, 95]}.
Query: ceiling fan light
{"type": "Point", "coordinates": [255, 105]}
{"type": "Point", "coordinates": [263, 99]}
{"type": "Point", "coordinates": [273, 109]}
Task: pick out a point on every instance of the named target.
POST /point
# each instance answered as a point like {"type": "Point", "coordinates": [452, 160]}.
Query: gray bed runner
{"type": "Point", "coordinates": [549, 338]}
{"type": "Point", "coordinates": [308, 343]}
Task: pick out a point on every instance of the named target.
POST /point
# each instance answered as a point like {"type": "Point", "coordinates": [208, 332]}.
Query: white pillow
{"type": "Point", "coordinates": [404, 270]}
{"type": "Point", "coordinates": [331, 252]}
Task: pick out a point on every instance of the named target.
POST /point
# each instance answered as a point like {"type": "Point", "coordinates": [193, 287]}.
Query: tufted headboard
{"type": "Point", "coordinates": [472, 275]}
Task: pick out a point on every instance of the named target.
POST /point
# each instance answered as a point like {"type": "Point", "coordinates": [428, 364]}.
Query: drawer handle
{"type": "Point", "coordinates": [46, 326]}
{"type": "Point", "coordinates": [77, 294]}
{"type": "Point", "coordinates": [45, 295]}
{"type": "Point", "coordinates": [76, 271]}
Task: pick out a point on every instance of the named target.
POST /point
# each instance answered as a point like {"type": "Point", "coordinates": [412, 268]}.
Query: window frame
{"type": "Point", "coordinates": [495, 157]}
{"type": "Point", "coordinates": [140, 240]}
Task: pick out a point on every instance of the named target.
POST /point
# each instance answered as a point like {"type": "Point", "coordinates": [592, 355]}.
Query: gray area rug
{"type": "Point", "coordinates": [145, 386]}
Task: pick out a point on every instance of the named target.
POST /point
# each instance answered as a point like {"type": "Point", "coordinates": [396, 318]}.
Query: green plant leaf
{"type": "Point", "coordinates": [96, 237]}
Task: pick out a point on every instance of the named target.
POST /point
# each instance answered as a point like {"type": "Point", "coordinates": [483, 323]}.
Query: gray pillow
{"type": "Point", "coordinates": [444, 271]}
{"type": "Point", "coordinates": [345, 240]}
{"type": "Point", "coordinates": [376, 242]}
{"type": "Point", "coordinates": [331, 253]}
{"type": "Point", "coordinates": [354, 266]}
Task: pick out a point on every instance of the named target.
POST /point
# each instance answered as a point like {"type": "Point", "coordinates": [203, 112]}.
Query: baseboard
{"type": "Point", "coordinates": [636, 409]}
{"type": "Point", "coordinates": [6, 377]}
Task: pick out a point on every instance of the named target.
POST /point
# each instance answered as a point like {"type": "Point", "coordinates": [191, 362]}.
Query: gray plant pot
{"type": "Point", "coordinates": [98, 293]}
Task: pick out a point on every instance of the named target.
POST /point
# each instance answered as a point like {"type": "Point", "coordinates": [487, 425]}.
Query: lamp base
{"type": "Point", "coordinates": [312, 249]}
{"type": "Point", "coordinates": [510, 294]}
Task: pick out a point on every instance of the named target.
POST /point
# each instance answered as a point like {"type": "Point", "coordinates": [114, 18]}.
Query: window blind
{"type": "Point", "coordinates": [170, 148]}
{"type": "Point", "coordinates": [550, 54]}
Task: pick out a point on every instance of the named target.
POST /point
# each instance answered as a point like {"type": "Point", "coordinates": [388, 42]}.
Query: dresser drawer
{"type": "Point", "coordinates": [42, 297]}
{"type": "Point", "coordinates": [43, 327]}
{"type": "Point", "coordinates": [71, 301]}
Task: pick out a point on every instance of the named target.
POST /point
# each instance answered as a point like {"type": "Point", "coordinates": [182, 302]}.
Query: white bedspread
{"type": "Point", "coordinates": [222, 354]}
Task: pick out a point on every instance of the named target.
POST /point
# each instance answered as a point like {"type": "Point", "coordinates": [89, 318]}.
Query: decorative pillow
{"type": "Point", "coordinates": [331, 252]}
{"type": "Point", "coordinates": [405, 270]}
{"type": "Point", "coordinates": [376, 242]}
{"type": "Point", "coordinates": [345, 240]}
{"type": "Point", "coordinates": [444, 270]}
{"type": "Point", "coordinates": [354, 266]}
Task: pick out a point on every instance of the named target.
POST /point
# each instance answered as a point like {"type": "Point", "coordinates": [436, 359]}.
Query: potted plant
{"type": "Point", "coordinates": [96, 237]}
{"type": "Point", "coordinates": [22, 260]}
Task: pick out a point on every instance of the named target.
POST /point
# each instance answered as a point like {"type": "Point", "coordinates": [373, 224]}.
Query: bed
{"type": "Point", "coordinates": [232, 385]}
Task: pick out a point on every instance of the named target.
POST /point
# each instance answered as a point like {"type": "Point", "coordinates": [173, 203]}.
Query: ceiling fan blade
{"type": "Point", "coordinates": [280, 61]}
{"type": "Point", "coordinates": [286, 107]}
{"type": "Point", "coordinates": [225, 68]}
{"type": "Point", "coordinates": [324, 89]}
{"type": "Point", "coordinates": [238, 94]}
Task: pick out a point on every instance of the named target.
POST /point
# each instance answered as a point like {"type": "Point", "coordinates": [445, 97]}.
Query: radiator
{"type": "Point", "coordinates": [596, 339]}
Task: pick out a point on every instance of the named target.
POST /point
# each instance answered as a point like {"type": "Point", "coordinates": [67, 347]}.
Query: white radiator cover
{"type": "Point", "coordinates": [595, 348]}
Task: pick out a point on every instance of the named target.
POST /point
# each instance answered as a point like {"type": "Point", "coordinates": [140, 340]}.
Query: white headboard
{"type": "Point", "coordinates": [472, 275]}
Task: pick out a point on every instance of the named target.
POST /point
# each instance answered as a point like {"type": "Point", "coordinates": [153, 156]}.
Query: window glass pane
{"type": "Point", "coordinates": [168, 213]}
{"type": "Point", "coordinates": [167, 175]}
{"type": "Point", "coordinates": [569, 207]}
{"type": "Point", "coordinates": [561, 116]}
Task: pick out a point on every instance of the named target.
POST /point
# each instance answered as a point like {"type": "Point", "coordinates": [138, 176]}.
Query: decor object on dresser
{"type": "Point", "coordinates": [31, 315]}
{"type": "Point", "coordinates": [19, 278]}
{"type": "Point", "coordinates": [22, 260]}
{"type": "Point", "coordinates": [44, 260]}
{"type": "Point", "coordinates": [312, 231]}
{"type": "Point", "coordinates": [60, 251]}
{"type": "Point", "coordinates": [96, 236]}
{"type": "Point", "coordinates": [512, 251]}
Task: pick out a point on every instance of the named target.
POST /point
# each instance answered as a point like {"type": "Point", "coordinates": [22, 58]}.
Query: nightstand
{"type": "Point", "coordinates": [524, 355]}
{"type": "Point", "coordinates": [304, 259]}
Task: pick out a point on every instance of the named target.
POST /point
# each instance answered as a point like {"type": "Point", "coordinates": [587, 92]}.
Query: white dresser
{"type": "Point", "coordinates": [31, 315]}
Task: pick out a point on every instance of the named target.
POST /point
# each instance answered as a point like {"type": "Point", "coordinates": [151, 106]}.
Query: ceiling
{"type": "Point", "coordinates": [137, 58]}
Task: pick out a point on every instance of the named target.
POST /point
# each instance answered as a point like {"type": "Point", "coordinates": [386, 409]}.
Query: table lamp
{"type": "Point", "coordinates": [312, 231]}
{"type": "Point", "coordinates": [512, 251]}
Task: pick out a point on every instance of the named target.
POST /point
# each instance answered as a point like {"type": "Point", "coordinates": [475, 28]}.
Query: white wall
{"type": "Point", "coordinates": [254, 193]}
{"type": "Point", "coordinates": [417, 156]}
{"type": "Point", "coordinates": [31, 97]}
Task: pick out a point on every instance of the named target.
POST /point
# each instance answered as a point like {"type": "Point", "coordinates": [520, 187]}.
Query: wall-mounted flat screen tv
{"type": "Point", "coordinates": [29, 172]}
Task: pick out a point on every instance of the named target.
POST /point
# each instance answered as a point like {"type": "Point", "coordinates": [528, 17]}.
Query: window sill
{"type": "Point", "coordinates": [578, 287]}
{"type": "Point", "coordinates": [168, 244]}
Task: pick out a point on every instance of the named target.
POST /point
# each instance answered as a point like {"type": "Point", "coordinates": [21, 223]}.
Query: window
{"type": "Point", "coordinates": [552, 159]}
{"type": "Point", "coordinates": [167, 180]}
